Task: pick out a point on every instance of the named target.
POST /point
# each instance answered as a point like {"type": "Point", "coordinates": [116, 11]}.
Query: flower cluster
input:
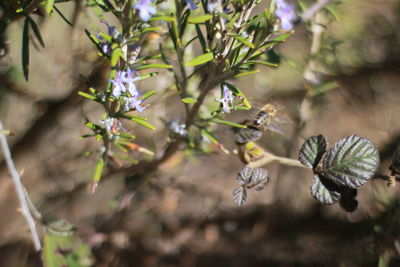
{"type": "Point", "coordinates": [111, 124]}
{"type": "Point", "coordinates": [286, 13]}
{"type": "Point", "coordinates": [226, 100]}
{"type": "Point", "coordinates": [145, 9]}
{"type": "Point", "coordinates": [191, 4]}
{"type": "Point", "coordinates": [124, 82]}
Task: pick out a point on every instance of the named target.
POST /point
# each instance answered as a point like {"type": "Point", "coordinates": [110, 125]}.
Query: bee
{"type": "Point", "coordinates": [268, 117]}
{"type": "Point", "coordinates": [265, 114]}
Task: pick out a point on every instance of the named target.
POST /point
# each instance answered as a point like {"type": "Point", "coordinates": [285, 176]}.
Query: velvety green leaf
{"type": "Point", "coordinates": [200, 59]}
{"type": "Point", "coordinates": [324, 191]}
{"type": "Point", "coordinates": [312, 151]}
{"type": "Point", "coordinates": [351, 162]}
{"type": "Point", "coordinates": [240, 195]}
{"type": "Point", "coordinates": [259, 179]}
{"type": "Point", "coordinates": [244, 176]}
{"type": "Point", "coordinates": [200, 19]}
{"type": "Point", "coordinates": [188, 100]}
{"type": "Point", "coordinates": [25, 49]}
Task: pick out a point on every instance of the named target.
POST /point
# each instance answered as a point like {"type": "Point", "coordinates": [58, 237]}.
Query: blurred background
{"type": "Point", "coordinates": [183, 213]}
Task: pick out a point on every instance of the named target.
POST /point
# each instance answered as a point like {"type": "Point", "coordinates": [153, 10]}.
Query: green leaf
{"type": "Point", "coordinates": [25, 49]}
{"type": "Point", "coordinates": [351, 162]}
{"type": "Point", "coordinates": [200, 19]}
{"type": "Point", "coordinates": [148, 75]}
{"type": "Point", "coordinates": [200, 59]}
{"type": "Point", "coordinates": [164, 18]}
{"type": "Point", "coordinates": [147, 95]}
{"type": "Point", "coordinates": [116, 54]}
{"type": "Point", "coordinates": [141, 121]}
{"type": "Point", "coordinates": [98, 170]}
{"type": "Point", "coordinates": [36, 31]}
{"type": "Point", "coordinates": [87, 95]}
{"type": "Point", "coordinates": [244, 41]}
{"type": "Point", "coordinates": [246, 73]}
{"type": "Point", "coordinates": [265, 63]}
{"type": "Point", "coordinates": [151, 29]}
{"type": "Point", "coordinates": [228, 123]}
{"type": "Point", "coordinates": [154, 65]}
{"type": "Point", "coordinates": [49, 6]}
{"type": "Point", "coordinates": [188, 100]}
{"type": "Point", "coordinates": [324, 190]}
{"type": "Point", "coordinates": [201, 38]}
{"type": "Point", "coordinates": [62, 16]}
{"type": "Point", "coordinates": [312, 151]}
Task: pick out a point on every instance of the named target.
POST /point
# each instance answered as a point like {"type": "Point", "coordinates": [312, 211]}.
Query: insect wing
{"type": "Point", "coordinates": [248, 134]}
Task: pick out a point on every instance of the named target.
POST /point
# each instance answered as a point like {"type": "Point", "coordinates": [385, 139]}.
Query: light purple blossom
{"type": "Point", "coordinates": [226, 100]}
{"type": "Point", "coordinates": [177, 128]}
{"type": "Point", "coordinates": [146, 10]}
{"type": "Point", "coordinates": [124, 82]}
{"type": "Point", "coordinates": [133, 103]}
{"type": "Point", "coordinates": [191, 4]}
{"type": "Point", "coordinates": [286, 13]}
{"type": "Point", "coordinates": [212, 6]}
{"type": "Point", "coordinates": [108, 124]}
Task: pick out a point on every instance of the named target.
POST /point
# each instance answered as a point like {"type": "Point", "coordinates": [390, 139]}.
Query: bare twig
{"type": "Point", "coordinates": [23, 198]}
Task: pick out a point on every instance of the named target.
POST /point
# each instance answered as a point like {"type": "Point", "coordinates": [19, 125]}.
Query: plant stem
{"type": "Point", "coordinates": [268, 158]}
{"type": "Point", "coordinates": [22, 196]}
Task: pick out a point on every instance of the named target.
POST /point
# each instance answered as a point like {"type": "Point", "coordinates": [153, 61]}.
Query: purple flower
{"type": "Point", "coordinates": [145, 9]}
{"type": "Point", "coordinates": [124, 83]}
{"type": "Point", "coordinates": [226, 100]}
{"type": "Point", "coordinates": [212, 6]}
{"type": "Point", "coordinates": [286, 13]}
{"type": "Point", "coordinates": [133, 103]}
{"type": "Point", "coordinates": [191, 4]}
{"type": "Point", "coordinates": [108, 123]}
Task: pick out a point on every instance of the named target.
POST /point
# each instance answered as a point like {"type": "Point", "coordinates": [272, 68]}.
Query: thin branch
{"type": "Point", "coordinates": [20, 189]}
{"type": "Point", "coordinates": [268, 158]}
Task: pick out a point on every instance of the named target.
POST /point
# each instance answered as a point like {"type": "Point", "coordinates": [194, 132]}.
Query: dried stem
{"type": "Point", "coordinates": [22, 196]}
